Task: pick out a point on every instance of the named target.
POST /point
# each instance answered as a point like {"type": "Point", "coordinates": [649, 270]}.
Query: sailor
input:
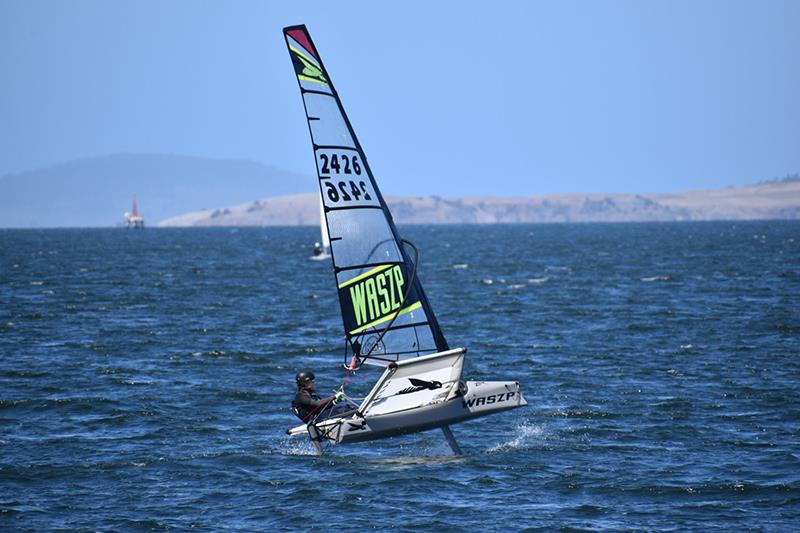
{"type": "Point", "coordinates": [307, 404]}
{"type": "Point", "coordinates": [317, 248]}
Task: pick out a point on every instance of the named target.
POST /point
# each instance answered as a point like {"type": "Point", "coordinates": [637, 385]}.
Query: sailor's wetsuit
{"type": "Point", "coordinates": [308, 406]}
{"type": "Point", "coordinates": [307, 403]}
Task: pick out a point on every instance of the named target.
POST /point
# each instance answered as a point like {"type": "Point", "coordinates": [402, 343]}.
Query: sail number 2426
{"type": "Point", "coordinates": [332, 163]}
{"type": "Point", "coordinates": [348, 190]}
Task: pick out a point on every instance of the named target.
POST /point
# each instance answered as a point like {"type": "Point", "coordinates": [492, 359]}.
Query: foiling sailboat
{"type": "Point", "coordinates": [388, 320]}
{"type": "Point", "coordinates": [322, 249]}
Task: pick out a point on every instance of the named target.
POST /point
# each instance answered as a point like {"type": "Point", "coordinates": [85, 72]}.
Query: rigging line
{"type": "Point", "coordinates": [375, 248]}
{"type": "Point", "coordinates": [323, 439]}
{"type": "Point", "coordinates": [355, 364]}
{"type": "Point", "coordinates": [402, 302]}
{"type": "Point", "coordinates": [329, 407]}
{"type": "Point", "coordinates": [327, 434]}
{"type": "Point", "coordinates": [393, 356]}
{"type": "Point", "coordinates": [319, 410]}
{"type": "Point", "coordinates": [316, 411]}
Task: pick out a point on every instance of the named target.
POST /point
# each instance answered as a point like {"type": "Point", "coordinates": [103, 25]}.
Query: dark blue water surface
{"type": "Point", "coordinates": [146, 376]}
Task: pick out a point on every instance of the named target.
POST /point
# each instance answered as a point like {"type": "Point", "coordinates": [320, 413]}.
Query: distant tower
{"type": "Point", "coordinates": [134, 219]}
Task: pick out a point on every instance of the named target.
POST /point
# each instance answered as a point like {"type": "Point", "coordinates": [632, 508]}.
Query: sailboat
{"type": "Point", "coordinates": [322, 250]}
{"type": "Point", "coordinates": [388, 320]}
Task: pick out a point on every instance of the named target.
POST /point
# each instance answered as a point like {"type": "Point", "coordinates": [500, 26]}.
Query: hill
{"type": "Point", "coordinates": [97, 191]}
{"type": "Point", "coordinates": [773, 200]}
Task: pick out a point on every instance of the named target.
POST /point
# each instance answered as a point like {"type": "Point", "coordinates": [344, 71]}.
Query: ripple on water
{"type": "Point", "coordinates": [659, 362]}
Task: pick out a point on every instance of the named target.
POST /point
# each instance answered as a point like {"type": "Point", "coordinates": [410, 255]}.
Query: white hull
{"type": "Point", "coordinates": [381, 415]}
{"type": "Point", "coordinates": [504, 395]}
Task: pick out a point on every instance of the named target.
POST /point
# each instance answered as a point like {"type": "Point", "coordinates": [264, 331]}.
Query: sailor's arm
{"type": "Point", "coordinates": [307, 400]}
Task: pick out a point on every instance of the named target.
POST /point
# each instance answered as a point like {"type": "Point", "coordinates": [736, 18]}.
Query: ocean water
{"type": "Point", "coordinates": [146, 377]}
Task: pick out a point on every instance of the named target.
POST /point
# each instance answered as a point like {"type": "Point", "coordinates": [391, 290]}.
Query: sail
{"type": "Point", "coordinates": [384, 309]}
{"type": "Point", "coordinates": [323, 229]}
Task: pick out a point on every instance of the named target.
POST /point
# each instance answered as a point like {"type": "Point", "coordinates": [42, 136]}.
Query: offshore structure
{"type": "Point", "coordinates": [134, 220]}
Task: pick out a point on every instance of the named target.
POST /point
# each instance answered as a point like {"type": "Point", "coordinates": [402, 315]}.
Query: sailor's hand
{"type": "Point", "coordinates": [338, 397]}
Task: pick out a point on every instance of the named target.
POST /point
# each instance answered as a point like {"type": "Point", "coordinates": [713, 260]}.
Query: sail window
{"type": "Point", "coordinates": [328, 128]}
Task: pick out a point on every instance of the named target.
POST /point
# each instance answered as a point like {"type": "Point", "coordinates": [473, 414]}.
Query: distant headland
{"type": "Point", "coordinates": [766, 200]}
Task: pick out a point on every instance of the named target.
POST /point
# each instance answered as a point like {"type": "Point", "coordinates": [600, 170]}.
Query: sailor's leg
{"type": "Point", "coordinates": [316, 439]}
{"type": "Point", "coordinates": [451, 440]}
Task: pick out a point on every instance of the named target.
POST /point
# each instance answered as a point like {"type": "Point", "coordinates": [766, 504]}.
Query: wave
{"type": "Point", "coordinates": [523, 434]}
{"type": "Point", "coordinates": [294, 446]}
{"type": "Point", "coordinates": [582, 413]}
{"type": "Point", "coordinates": [538, 281]}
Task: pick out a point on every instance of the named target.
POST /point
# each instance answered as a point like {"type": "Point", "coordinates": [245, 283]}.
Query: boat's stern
{"type": "Point", "coordinates": [486, 397]}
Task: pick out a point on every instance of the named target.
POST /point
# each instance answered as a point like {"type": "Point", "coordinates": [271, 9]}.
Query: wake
{"type": "Point", "coordinates": [523, 437]}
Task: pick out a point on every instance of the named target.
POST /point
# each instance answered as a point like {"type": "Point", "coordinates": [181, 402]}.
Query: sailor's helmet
{"type": "Point", "coordinates": [304, 377]}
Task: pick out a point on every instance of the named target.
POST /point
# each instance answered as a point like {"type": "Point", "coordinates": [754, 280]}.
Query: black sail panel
{"type": "Point", "coordinates": [384, 309]}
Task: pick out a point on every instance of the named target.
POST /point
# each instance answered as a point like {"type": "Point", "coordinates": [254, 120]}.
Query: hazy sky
{"type": "Point", "coordinates": [494, 97]}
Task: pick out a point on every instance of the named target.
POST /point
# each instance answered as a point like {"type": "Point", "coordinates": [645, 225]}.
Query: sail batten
{"type": "Point", "coordinates": [385, 312]}
{"type": "Point", "coordinates": [333, 146]}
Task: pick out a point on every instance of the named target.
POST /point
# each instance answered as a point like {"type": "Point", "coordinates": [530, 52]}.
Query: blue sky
{"type": "Point", "coordinates": [495, 98]}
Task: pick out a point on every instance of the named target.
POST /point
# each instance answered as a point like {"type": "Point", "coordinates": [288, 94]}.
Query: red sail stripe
{"type": "Point", "coordinates": [301, 37]}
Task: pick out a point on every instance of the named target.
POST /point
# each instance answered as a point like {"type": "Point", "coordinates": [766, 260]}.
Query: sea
{"type": "Point", "coordinates": [146, 380]}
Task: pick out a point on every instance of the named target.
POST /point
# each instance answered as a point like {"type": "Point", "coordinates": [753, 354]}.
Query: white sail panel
{"type": "Point", "coordinates": [361, 241]}
{"type": "Point", "coordinates": [327, 125]}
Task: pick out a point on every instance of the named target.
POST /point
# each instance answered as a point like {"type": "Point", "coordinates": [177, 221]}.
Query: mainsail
{"type": "Point", "coordinates": [384, 309]}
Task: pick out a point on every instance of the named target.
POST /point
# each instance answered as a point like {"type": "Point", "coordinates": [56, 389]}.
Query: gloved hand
{"type": "Point", "coordinates": [338, 397]}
